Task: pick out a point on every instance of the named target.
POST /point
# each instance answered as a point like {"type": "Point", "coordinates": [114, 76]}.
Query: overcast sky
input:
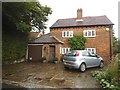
{"type": "Point", "coordinates": [68, 9]}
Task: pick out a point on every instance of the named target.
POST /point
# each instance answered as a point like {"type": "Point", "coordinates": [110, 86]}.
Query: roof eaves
{"type": "Point", "coordinates": [80, 26]}
{"type": "Point", "coordinates": [57, 39]}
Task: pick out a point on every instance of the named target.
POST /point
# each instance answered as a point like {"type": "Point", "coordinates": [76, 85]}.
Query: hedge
{"type": "Point", "coordinates": [14, 46]}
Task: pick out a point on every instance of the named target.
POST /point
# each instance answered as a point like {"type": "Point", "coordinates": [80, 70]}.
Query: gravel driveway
{"type": "Point", "coordinates": [42, 75]}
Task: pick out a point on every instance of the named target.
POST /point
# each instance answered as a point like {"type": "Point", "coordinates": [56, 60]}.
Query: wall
{"type": "Point", "coordinates": [101, 42]}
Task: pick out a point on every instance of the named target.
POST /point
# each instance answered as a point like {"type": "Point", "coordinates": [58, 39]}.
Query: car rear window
{"type": "Point", "coordinates": [71, 53]}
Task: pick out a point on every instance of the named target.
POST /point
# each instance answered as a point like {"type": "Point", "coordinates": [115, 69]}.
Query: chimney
{"type": "Point", "coordinates": [79, 15]}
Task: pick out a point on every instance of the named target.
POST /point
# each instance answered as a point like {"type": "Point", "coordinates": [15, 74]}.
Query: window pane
{"type": "Point", "coordinates": [92, 50]}
{"type": "Point", "coordinates": [67, 33]}
{"type": "Point", "coordinates": [85, 33]}
{"type": "Point", "coordinates": [89, 33]}
{"type": "Point", "coordinates": [64, 34]}
{"type": "Point", "coordinates": [93, 33]}
{"type": "Point", "coordinates": [71, 33]}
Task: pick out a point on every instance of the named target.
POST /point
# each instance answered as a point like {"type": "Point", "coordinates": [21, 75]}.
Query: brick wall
{"type": "Point", "coordinates": [101, 42]}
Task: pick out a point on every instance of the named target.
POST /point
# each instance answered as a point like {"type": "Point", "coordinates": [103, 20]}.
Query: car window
{"type": "Point", "coordinates": [71, 53]}
{"type": "Point", "coordinates": [92, 54]}
{"type": "Point", "coordinates": [85, 53]}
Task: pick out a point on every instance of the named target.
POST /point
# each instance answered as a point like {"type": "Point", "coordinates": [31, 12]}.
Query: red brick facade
{"type": "Point", "coordinates": [101, 42]}
{"type": "Point", "coordinates": [97, 30]}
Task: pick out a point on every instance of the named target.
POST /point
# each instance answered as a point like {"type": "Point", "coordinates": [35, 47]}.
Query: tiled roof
{"type": "Point", "coordinates": [87, 21]}
{"type": "Point", "coordinates": [46, 39]}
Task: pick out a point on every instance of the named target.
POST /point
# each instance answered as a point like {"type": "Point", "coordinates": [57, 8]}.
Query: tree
{"type": "Point", "coordinates": [25, 15]}
{"type": "Point", "coordinates": [116, 44]}
{"type": "Point", "coordinates": [18, 18]}
{"type": "Point", "coordinates": [77, 42]}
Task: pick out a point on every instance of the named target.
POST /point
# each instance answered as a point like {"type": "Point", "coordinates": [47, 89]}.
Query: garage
{"type": "Point", "coordinates": [34, 52]}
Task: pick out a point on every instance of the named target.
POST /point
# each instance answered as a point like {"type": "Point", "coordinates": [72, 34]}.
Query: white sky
{"type": "Point", "coordinates": [68, 9]}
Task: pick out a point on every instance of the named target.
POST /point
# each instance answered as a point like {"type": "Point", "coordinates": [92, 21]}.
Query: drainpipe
{"type": "Point", "coordinates": [110, 35]}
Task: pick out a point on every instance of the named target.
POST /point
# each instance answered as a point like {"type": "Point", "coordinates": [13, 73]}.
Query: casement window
{"type": "Point", "coordinates": [67, 33]}
{"type": "Point", "coordinates": [92, 50]}
{"type": "Point", "coordinates": [89, 33]}
{"type": "Point", "coordinates": [64, 50]}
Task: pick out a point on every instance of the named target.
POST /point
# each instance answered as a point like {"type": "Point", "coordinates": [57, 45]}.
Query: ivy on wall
{"type": "Point", "coordinates": [77, 42]}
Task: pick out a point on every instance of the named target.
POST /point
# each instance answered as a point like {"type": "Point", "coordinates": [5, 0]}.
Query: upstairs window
{"type": "Point", "coordinates": [89, 33]}
{"type": "Point", "coordinates": [67, 33]}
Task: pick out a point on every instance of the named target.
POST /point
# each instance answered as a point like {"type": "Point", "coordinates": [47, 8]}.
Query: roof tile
{"type": "Point", "coordinates": [87, 21]}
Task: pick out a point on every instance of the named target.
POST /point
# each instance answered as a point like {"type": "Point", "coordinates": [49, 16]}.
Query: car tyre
{"type": "Point", "coordinates": [101, 64]}
{"type": "Point", "coordinates": [66, 68]}
{"type": "Point", "coordinates": [82, 67]}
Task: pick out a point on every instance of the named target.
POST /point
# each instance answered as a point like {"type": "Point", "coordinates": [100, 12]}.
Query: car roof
{"type": "Point", "coordinates": [79, 50]}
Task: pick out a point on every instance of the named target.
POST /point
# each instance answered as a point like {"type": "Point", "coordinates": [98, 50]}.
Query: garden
{"type": "Point", "coordinates": [110, 78]}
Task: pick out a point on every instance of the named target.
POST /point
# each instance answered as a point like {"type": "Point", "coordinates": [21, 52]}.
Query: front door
{"type": "Point", "coordinates": [52, 53]}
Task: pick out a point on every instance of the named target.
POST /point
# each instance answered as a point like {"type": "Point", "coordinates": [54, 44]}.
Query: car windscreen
{"type": "Point", "coordinates": [71, 53]}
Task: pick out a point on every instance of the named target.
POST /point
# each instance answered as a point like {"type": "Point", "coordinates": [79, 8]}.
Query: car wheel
{"type": "Point", "coordinates": [66, 67]}
{"type": "Point", "coordinates": [82, 67]}
{"type": "Point", "coordinates": [101, 64]}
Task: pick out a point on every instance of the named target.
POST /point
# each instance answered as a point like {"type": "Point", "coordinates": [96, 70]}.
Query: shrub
{"type": "Point", "coordinates": [43, 59]}
{"type": "Point", "coordinates": [77, 42]}
{"type": "Point", "coordinates": [110, 78]}
{"type": "Point", "coordinates": [14, 46]}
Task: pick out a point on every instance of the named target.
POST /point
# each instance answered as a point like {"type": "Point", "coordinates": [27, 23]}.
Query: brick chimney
{"type": "Point", "coordinates": [79, 15]}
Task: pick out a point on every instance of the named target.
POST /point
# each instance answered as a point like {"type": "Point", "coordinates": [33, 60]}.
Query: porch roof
{"type": "Point", "coordinates": [46, 39]}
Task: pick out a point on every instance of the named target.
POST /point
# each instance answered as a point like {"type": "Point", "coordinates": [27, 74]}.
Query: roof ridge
{"type": "Point", "coordinates": [82, 17]}
{"type": "Point", "coordinates": [87, 21]}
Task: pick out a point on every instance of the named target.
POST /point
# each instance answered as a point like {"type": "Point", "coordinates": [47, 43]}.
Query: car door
{"type": "Point", "coordinates": [94, 59]}
{"type": "Point", "coordinates": [87, 58]}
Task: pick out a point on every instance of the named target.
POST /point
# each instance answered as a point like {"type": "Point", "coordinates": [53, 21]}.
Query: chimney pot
{"type": "Point", "coordinates": [79, 14]}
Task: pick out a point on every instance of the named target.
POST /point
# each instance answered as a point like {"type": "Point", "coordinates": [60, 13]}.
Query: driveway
{"type": "Point", "coordinates": [42, 75]}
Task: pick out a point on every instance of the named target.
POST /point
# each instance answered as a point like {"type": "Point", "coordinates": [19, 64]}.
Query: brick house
{"type": "Point", "coordinates": [97, 30]}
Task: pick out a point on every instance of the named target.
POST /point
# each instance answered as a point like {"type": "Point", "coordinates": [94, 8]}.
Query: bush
{"type": "Point", "coordinates": [43, 59]}
{"type": "Point", "coordinates": [110, 78]}
{"type": "Point", "coordinates": [14, 47]}
{"type": "Point", "coordinates": [77, 42]}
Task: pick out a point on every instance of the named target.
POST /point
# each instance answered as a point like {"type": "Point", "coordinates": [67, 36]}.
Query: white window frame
{"type": "Point", "coordinates": [89, 33]}
{"type": "Point", "coordinates": [93, 50]}
{"type": "Point", "coordinates": [67, 34]}
{"type": "Point", "coordinates": [64, 50]}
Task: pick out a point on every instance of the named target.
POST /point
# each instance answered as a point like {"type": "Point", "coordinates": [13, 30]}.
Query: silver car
{"type": "Point", "coordinates": [82, 59]}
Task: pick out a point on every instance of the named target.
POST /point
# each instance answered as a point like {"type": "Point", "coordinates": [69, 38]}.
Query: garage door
{"type": "Point", "coordinates": [35, 52]}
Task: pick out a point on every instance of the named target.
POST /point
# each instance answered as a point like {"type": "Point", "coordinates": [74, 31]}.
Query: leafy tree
{"type": "Point", "coordinates": [77, 42]}
{"type": "Point", "coordinates": [18, 18]}
{"type": "Point", "coordinates": [116, 45]}
{"type": "Point", "coordinates": [24, 15]}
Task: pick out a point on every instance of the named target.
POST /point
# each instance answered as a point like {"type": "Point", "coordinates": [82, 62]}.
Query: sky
{"type": "Point", "coordinates": [68, 9]}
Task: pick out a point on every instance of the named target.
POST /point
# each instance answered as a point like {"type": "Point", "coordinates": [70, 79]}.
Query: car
{"type": "Point", "coordinates": [82, 59]}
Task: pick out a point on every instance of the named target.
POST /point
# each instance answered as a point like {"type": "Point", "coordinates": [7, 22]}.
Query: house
{"type": "Point", "coordinates": [97, 30]}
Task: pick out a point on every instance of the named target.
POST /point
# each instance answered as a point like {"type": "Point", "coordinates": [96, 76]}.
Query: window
{"type": "Point", "coordinates": [89, 33]}
{"type": "Point", "coordinates": [64, 50]}
{"type": "Point", "coordinates": [92, 50]}
{"type": "Point", "coordinates": [85, 53]}
{"type": "Point", "coordinates": [67, 33]}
